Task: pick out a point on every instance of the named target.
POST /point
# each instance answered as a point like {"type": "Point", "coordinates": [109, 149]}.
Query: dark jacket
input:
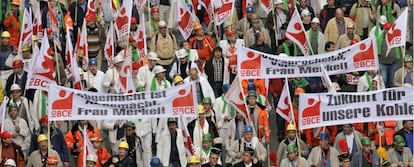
{"type": "Point", "coordinates": [208, 165]}
{"type": "Point", "coordinates": [208, 68]}
{"type": "Point", "coordinates": [18, 156]}
{"type": "Point", "coordinates": [212, 128]}
{"type": "Point", "coordinates": [22, 83]}
{"type": "Point", "coordinates": [401, 133]}
{"type": "Point", "coordinates": [357, 159]}
{"type": "Point", "coordinates": [126, 162]}
{"type": "Point", "coordinates": [57, 142]}
{"type": "Point", "coordinates": [241, 164]}
{"type": "Point", "coordinates": [265, 48]}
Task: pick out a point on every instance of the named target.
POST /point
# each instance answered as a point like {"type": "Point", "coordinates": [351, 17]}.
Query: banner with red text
{"type": "Point", "coordinates": [358, 57]}
{"type": "Point", "coordinates": [72, 104]}
{"type": "Point", "coordinates": [326, 109]}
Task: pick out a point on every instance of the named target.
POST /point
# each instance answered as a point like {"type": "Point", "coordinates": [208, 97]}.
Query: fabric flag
{"type": "Point", "coordinates": [72, 65]}
{"type": "Point", "coordinates": [125, 75]}
{"type": "Point", "coordinates": [224, 11]}
{"type": "Point", "coordinates": [208, 5]}
{"type": "Point", "coordinates": [91, 8]}
{"type": "Point", "coordinates": [396, 35]}
{"type": "Point", "coordinates": [267, 6]}
{"type": "Point", "coordinates": [236, 98]}
{"type": "Point", "coordinates": [82, 48]}
{"type": "Point", "coordinates": [37, 23]}
{"type": "Point", "coordinates": [296, 32]}
{"type": "Point", "coordinates": [27, 30]}
{"type": "Point", "coordinates": [123, 20]}
{"type": "Point", "coordinates": [284, 106]}
{"type": "Point", "coordinates": [141, 47]}
{"type": "Point", "coordinates": [87, 147]}
{"type": "Point", "coordinates": [109, 46]}
{"type": "Point", "coordinates": [327, 80]}
{"type": "Point", "coordinates": [53, 21]}
{"type": "Point", "coordinates": [3, 111]}
{"type": "Point", "coordinates": [185, 19]}
{"type": "Point", "coordinates": [68, 21]}
{"type": "Point", "coordinates": [140, 4]}
{"type": "Point", "coordinates": [245, 4]}
{"type": "Point", "coordinates": [188, 142]}
{"type": "Point", "coordinates": [42, 68]}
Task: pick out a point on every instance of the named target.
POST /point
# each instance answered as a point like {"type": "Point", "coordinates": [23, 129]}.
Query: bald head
{"type": "Point", "coordinates": [339, 14]}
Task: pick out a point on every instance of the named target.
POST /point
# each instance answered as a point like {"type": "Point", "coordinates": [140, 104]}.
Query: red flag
{"type": "Point", "coordinates": [72, 65]}
{"type": "Point", "coordinates": [296, 32]}
{"type": "Point", "coordinates": [140, 4]}
{"type": "Point", "coordinates": [54, 22]}
{"type": "Point", "coordinates": [185, 19]}
{"type": "Point", "coordinates": [224, 11]}
{"type": "Point", "coordinates": [109, 46]}
{"type": "Point", "coordinates": [267, 6]}
{"type": "Point", "coordinates": [91, 8]}
{"type": "Point", "coordinates": [27, 30]}
{"type": "Point", "coordinates": [37, 24]}
{"type": "Point", "coordinates": [125, 75]}
{"type": "Point", "coordinates": [237, 98]}
{"type": "Point", "coordinates": [82, 48]}
{"type": "Point", "coordinates": [188, 142]}
{"type": "Point", "coordinates": [42, 68]}
{"type": "Point", "coordinates": [208, 5]}
{"type": "Point", "coordinates": [396, 35]}
{"type": "Point", "coordinates": [284, 106]}
{"type": "Point", "coordinates": [141, 46]}
{"type": "Point", "coordinates": [123, 21]}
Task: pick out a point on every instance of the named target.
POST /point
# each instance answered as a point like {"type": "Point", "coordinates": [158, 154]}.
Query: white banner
{"type": "Point", "coordinates": [72, 104]}
{"type": "Point", "coordinates": [326, 109]}
{"type": "Point", "coordinates": [358, 57]}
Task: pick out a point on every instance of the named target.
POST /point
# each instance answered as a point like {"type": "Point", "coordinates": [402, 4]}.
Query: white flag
{"type": "Point", "coordinates": [109, 46]}
{"type": "Point", "coordinates": [396, 35]}
{"type": "Point", "coordinates": [327, 80]}
{"type": "Point", "coordinates": [284, 106]}
{"type": "Point", "coordinates": [296, 32]}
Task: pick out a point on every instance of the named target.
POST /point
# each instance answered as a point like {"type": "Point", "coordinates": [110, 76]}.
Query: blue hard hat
{"type": "Point", "coordinates": [251, 86]}
{"type": "Point", "coordinates": [226, 87]}
{"type": "Point", "coordinates": [250, 9]}
{"type": "Point", "coordinates": [155, 162]}
{"type": "Point", "coordinates": [324, 136]}
{"type": "Point", "coordinates": [93, 61]}
{"type": "Point", "coordinates": [247, 128]}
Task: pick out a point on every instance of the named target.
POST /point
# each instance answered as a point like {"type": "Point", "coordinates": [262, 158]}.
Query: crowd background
{"type": "Point", "coordinates": [220, 135]}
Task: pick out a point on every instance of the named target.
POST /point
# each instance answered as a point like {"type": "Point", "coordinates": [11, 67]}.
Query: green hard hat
{"type": "Point", "coordinates": [408, 58]}
{"type": "Point", "coordinates": [171, 120]}
{"type": "Point", "coordinates": [291, 148]}
{"type": "Point", "coordinates": [130, 124]}
{"type": "Point", "coordinates": [399, 141]}
{"type": "Point", "coordinates": [206, 100]}
{"type": "Point", "coordinates": [365, 141]}
{"type": "Point", "coordinates": [207, 137]}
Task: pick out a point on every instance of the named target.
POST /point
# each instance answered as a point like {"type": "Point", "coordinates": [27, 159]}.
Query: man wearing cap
{"type": "Point", "coordinates": [182, 66]}
{"type": "Point", "coordinates": [74, 137]}
{"type": "Point", "coordinates": [258, 117]}
{"type": "Point", "coordinates": [5, 50]}
{"type": "Point", "coordinates": [404, 76]}
{"type": "Point", "coordinates": [164, 44]}
{"type": "Point", "coordinates": [39, 157]}
{"type": "Point", "coordinates": [170, 148]}
{"type": "Point", "coordinates": [367, 156]}
{"type": "Point", "coordinates": [217, 71]}
{"type": "Point", "coordinates": [203, 43]}
{"type": "Point", "coordinates": [324, 154]}
{"type": "Point", "coordinates": [293, 159]}
{"type": "Point", "coordinates": [248, 140]}
{"type": "Point", "coordinates": [364, 15]}
{"type": "Point", "coordinates": [245, 23]}
{"type": "Point", "coordinates": [336, 26]}
{"type": "Point", "coordinates": [101, 152]}
{"type": "Point", "coordinates": [345, 39]}
{"type": "Point", "coordinates": [91, 160]}
{"type": "Point", "coordinates": [192, 53]}
{"type": "Point", "coordinates": [306, 19]}
{"type": "Point", "coordinates": [12, 23]}
{"type": "Point", "coordinates": [158, 82]}
{"type": "Point", "coordinates": [251, 33]}
{"type": "Point", "coordinates": [52, 161]}
{"type": "Point", "coordinates": [229, 47]}
{"type": "Point", "coordinates": [407, 133]}
{"type": "Point", "coordinates": [194, 161]}
{"type": "Point", "coordinates": [203, 87]}
{"type": "Point", "coordinates": [151, 26]}
{"type": "Point", "coordinates": [250, 158]}
{"type": "Point", "coordinates": [205, 151]}
{"type": "Point", "coordinates": [18, 76]}
{"type": "Point", "coordinates": [94, 77]}
{"type": "Point", "coordinates": [10, 163]}
{"type": "Point", "coordinates": [56, 139]}
{"type": "Point", "coordinates": [365, 82]}
{"type": "Point", "coordinates": [146, 73]}
{"type": "Point", "coordinates": [316, 37]}
{"type": "Point", "coordinates": [111, 81]}
{"type": "Point", "coordinates": [291, 139]}
{"type": "Point", "coordinates": [134, 142]}
{"type": "Point", "coordinates": [352, 137]}
{"type": "Point", "coordinates": [400, 155]}
{"type": "Point", "coordinates": [278, 29]}
{"type": "Point", "coordinates": [96, 38]}
{"type": "Point", "coordinates": [210, 113]}
{"type": "Point", "coordinates": [17, 127]}
{"type": "Point", "coordinates": [10, 150]}
{"type": "Point", "coordinates": [213, 159]}
{"type": "Point", "coordinates": [289, 48]}
{"type": "Point", "coordinates": [24, 107]}
{"type": "Point", "coordinates": [121, 159]}
{"type": "Point", "coordinates": [178, 80]}
{"type": "Point", "coordinates": [390, 9]}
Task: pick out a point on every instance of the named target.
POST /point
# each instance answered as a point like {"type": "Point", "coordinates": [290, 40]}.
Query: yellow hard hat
{"type": "Point", "coordinates": [123, 144]}
{"type": "Point", "coordinates": [194, 160]}
{"type": "Point", "coordinates": [5, 34]}
{"type": "Point", "coordinates": [177, 79]}
{"type": "Point", "coordinates": [200, 109]}
{"type": "Point", "coordinates": [26, 48]}
{"type": "Point", "coordinates": [41, 137]}
{"type": "Point", "coordinates": [35, 38]}
{"type": "Point", "coordinates": [291, 127]}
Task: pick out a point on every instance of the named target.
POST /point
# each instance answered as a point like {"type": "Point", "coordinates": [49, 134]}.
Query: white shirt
{"type": "Point", "coordinates": [95, 81]}
{"type": "Point", "coordinates": [350, 141]}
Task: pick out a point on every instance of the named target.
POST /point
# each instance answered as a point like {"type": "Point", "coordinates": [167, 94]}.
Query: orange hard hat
{"type": "Point", "coordinates": [17, 63]}
{"type": "Point", "coordinates": [299, 91]}
{"type": "Point", "coordinates": [52, 159]}
{"type": "Point", "coordinates": [197, 26]}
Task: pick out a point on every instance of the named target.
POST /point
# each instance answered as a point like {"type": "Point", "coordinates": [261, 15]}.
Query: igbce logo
{"type": "Point", "coordinates": [184, 104]}
{"type": "Point", "coordinates": [365, 56]}
{"type": "Point", "coordinates": [251, 67]}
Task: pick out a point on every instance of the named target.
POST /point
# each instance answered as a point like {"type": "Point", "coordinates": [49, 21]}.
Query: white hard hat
{"type": "Point", "coordinates": [118, 59]}
{"type": "Point", "coordinates": [305, 13]}
{"type": "Point", "coordinates": [153, 56]}
{"type": "Point", "coordinates": [15, 87]}
{"type": "Point", "coordinates": [159, 69]}
{"type": "Point", "coordinates": [10, 162]}
{"type": "Point", "coordinates": [181, 53]}
{"type": "Point", "coordinates": [162, 23]}
{"type": "Point", "coordinates": [315, 20]}
{"type": "Point", "coordinates": [382, 19]}
{"type": "Point", "coordinates": [278, 2]}
{"type": "Point", "coordinates": [92, 157]}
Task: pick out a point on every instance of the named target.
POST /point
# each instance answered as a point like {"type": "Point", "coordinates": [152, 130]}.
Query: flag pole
{"type": "Point", "coordinates": [274, 22]}
{"type": "Point", "coordinates": [403, 68]}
